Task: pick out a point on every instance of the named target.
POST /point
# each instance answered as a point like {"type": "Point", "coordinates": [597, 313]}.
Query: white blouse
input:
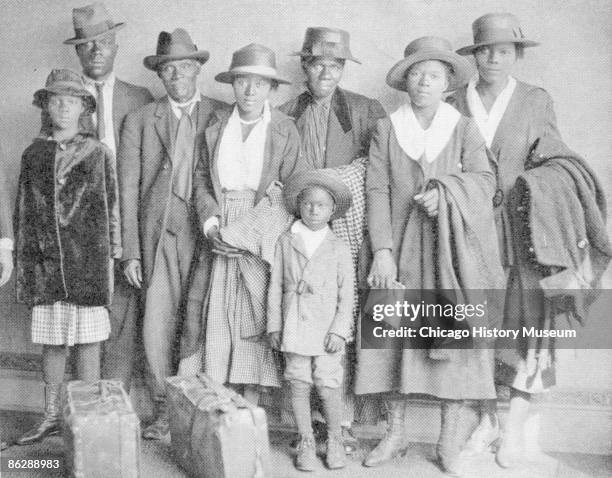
{"type": "Point", "coordinates": [240, 163]}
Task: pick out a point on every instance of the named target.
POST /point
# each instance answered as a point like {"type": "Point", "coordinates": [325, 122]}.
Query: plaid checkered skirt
{"type": "Point", "coordinates": [228, 356]}
{"type": "Point", "coordinates": [67, 324]}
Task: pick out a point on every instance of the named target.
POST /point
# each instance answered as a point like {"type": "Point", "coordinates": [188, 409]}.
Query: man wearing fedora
{"type": "Point", "coordinates": [335, 125]}
{"type": "Point", "coordinates": [96, 48]}
{"type": "Point", "coordinates": [160, 230]}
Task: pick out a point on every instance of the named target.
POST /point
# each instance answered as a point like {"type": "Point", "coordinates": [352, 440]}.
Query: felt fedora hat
{"type": "Point", "coordinates": [64, 82]}
{"type": "Point", "coordinates": [326, 42]}
{"type": "Point", "coordinates": [177, 45]}
{"type": "Point", "coordinates": [253, 59]}
{"type": "Point", "coordinates": [328, 179]}
{"type": "Point", "coordinates": [496, 28]}
{"type": "Point", "coordinates": [430, 48]}
{"type": "Point", "coordinates": [91, 22]}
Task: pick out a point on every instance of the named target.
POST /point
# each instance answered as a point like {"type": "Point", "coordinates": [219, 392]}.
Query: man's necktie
{"type": "Point", "coordinates": [183, 156]}
{"type": "Point", "coordinates": [100, 111]}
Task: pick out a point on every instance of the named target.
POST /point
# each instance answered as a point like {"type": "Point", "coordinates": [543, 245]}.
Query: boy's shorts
{"type": "Point", "coordinates": [322, 370]}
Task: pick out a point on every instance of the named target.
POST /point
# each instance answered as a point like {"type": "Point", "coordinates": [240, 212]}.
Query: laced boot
{"type": "Point", "coordinates": [306, 459]}
{"type": "Point", "coordinates": [52, 420]}
{"type": "Point", "coordinates": [510, 451]}
{"type": "Point", "coordinates": [449, 445]}
{"type": "Point", "coordinates": [393, 443]}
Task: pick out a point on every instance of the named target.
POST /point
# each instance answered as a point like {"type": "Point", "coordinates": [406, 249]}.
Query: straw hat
{"type": "Point", "coordinates": [326, 42]}
{"type": "Point", "coordinates": [252, 59]}
{"type": "Point", "coordinates": [174, 46]}
{"type": "Point", "coordinates": [430, 48]}
{"type": "Point", "coordinates": [91, 22]}
{"type": "Point", "coordinates": [496, 28]}
{"type": "Point", "coordinates": [65, 82]}
{"type": "Point", "coordinates": [327, 179]}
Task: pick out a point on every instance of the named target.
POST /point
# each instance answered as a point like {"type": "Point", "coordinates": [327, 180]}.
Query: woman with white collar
{"type": "Point", "coordinates": [248, 146]}
{"type": "Point", "coordinates": [425, 159]}
{"type": "Point", "coordinates": [512, 116]}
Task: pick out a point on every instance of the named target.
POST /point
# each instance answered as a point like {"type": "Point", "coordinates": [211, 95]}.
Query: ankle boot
{"type": "Point", "coordinates": [393, 443]}
{"type": "Point", "coordinates": [449, 446]}
{"type": "Point", "coordinates": [510, 451]}
{"type": "Point", "coordinates": [52, 420]}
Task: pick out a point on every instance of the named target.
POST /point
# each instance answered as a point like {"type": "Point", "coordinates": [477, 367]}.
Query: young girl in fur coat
{"type": "Point", "coordinates": [66, 233]}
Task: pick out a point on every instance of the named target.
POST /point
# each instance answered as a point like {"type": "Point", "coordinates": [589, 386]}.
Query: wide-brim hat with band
{"type": "Point", "coordinates": [327, 179]}
{"type": "Point", "coordinates": [253, 59]}
{"type": "Point", "coordinates": [91, 22]}
{"type": "Point", "coordinates": [430, 48]}
{"type": "Point", "coordinates": [177, 45]}
{"type": "Point", "coordinates": [496, 28]}
{"type": "Point", "coordinates": [326, 42]}
{"type": "Point", "coordinates": [65, 82]}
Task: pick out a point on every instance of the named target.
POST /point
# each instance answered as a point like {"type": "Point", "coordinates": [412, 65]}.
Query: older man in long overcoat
{"type": "Point", "coordinates": [96, 47]}
{"type": "Point", "coordinates": [160, 231]}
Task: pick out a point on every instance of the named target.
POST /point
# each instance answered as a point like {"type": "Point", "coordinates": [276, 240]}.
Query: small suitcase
{"type": "Point", "coordinates": [101, 431]}
{"type": "Point", "coordinates": [215, 432]}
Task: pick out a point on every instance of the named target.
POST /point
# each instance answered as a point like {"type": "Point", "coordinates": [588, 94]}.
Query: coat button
{"type": "Point", "coordinates": [61, 181]}
{"type": "Point", "coordinates": [498, 198]}
{"type": "Point", "coordinates": [520, 209]}
{"type": "Point", "coordinates": [166, 165]}
{"type": "Point", "coordinates": [582, 243]}
{"type": "Point", "coordinates": [460, 166]}
{"type": "Point", "coordinates": [531, 249]}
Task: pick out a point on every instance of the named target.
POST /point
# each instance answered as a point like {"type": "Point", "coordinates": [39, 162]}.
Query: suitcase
{"type": "Point", "coordinates": [215, 432]}
{"type": "Point", "coordinates": [101, 431]}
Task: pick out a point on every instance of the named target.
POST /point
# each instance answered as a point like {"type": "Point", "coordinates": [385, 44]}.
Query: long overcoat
{"type": "Point", "coordinates": [530, 115]}
{"type": "Point", "coordinates": [144, 164]}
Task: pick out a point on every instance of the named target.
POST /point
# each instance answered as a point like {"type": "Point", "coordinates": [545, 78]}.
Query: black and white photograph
{"type": "Point", "coordinates": [325, 238]}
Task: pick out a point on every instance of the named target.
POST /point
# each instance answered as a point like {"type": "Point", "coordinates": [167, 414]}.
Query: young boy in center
{"type": "Point", "coordinates": [310, 306]}
{"type": "Point", "coordinates": [66, 234]}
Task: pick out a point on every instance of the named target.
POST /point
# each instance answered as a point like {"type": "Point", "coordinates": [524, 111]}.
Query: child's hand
{"type": "Point", "coordinates": [333, 343]}
{"type": "Point", "coordinates": [275, 340]}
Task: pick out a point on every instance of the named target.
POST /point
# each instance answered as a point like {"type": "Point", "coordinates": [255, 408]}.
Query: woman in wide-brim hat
{"type": "Point", "coordinates": [511, 116]}
{"type": "Point", "coordinates": [421, 156]}
{"type": "Point", "coordinates": [249, 145]}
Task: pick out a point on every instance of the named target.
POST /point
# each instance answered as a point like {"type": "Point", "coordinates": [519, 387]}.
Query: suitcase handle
{"type": "Point", "coordinates": [224, 392]}
{"type": "Point", "coordinates": [104, 392]}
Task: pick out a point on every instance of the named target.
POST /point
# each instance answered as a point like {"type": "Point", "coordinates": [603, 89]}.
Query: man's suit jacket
{"type": "Point", "coordinates": [127, 98]}
{"type": "Point", "coordinates": [352, 122]}
{"type": "Point", "coordinates": [144, 164]}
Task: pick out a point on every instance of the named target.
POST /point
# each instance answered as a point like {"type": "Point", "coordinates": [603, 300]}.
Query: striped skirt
{"type": "Point", "coordinates": [229, 358]}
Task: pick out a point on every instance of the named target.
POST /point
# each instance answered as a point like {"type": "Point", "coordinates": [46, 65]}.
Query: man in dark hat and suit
{"type": "Point", "coordinates": [335, 126]}
{"type": "Point", "coordinates": [160, 230]}
{"type": "Point", "coordinates": [96, 48]}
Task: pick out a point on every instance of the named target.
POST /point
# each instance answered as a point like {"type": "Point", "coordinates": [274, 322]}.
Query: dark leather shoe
{"type": "Point", "coordinates": [158, 430]}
